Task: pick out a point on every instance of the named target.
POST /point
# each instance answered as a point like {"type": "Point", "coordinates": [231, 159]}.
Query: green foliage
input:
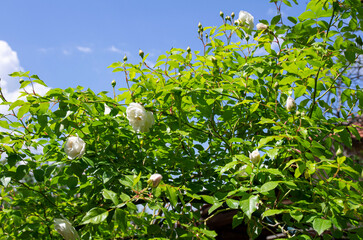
{"type": "Point", "coordinates": [211, 108]}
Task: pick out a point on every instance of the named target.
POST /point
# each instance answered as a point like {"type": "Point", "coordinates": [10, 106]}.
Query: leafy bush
{"type": "Point", "coordinates": [243, 125]}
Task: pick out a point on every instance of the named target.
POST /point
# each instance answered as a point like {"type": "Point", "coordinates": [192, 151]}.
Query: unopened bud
{"type": "Point", "coordinates": [339, 151]}
{"type": "Point", "coordinates": [113, 83]}
{"type": "Point", "coordinates": [21, 80]}
{"type": "Point", "coordinates": [141, 53]}
{"type": "Point", "coordinates": [255, 156]}
{"type": "Point", "coordinates": [261, 26]}
{"type": "Point", "coordinates": [154, 180]}
{"type": "Point", "coordinates": [200, 26]}
{"type": "Point", "coordinates": [214, 60]}
{"type": "Point", "coordinates": [276, 85]}
{"type": "Point", "coordinates": [188, 49]}
{"type": "Point", "coordinates": [232, 15]}
{"type": "Point", "coordinates": [206, 35]}
{"type": "Point", "coordinates": [221, 14]}
{"type": "Point", "coordinates": [228, 18]}
{"type": "Point", "coordinates": [125, 58]}
{"type": "Point", "coordinates": [290, 104]}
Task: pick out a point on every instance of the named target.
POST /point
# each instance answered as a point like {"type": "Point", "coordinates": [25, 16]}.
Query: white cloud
{"type": "Point", "coordinates": [84, 49]}
{"type": "Point", "coordinates": [114, 49]}
{"type": "Point", "coordinates": [10, 63]}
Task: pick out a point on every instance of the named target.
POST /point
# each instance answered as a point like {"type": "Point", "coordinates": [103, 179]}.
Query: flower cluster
{"type": "Point", "coordinates": [140, 119]}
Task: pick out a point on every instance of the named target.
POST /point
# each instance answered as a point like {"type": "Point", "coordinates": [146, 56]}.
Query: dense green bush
{"type": "Point", "coordinates": [218, 126]}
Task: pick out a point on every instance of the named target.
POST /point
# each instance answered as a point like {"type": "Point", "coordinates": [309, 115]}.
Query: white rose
{"type": "Point", "coordinates": [245, 18]}
{"type": "Point", "coordinates": [255, 156]}
{"type": "Point", "coordinates": [75, 147]}
{"type": "Point", "coordinates": [261, 26]}
{"type": "Point", "coordinates": [140, 119]}
{"type": "Point", "coordinates": [290, 104]}
{"type": "Point", "coordinates": [65, 228]}
{"type": "Point", "coordinates": [155, 179]}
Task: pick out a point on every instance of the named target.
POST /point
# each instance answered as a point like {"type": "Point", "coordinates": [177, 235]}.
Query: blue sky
{"type": "Point", "coordinates": [69, 43]}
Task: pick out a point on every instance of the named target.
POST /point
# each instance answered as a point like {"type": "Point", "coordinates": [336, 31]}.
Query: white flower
{"type": "Point", "coordinates": [261, 26]}
{"type": "Point", "coordinates": [140, 119]}
{"type": "Point", "coordinates": [107, 109]}
{"type": "Point", "coordinates": [65, 228]}
{"type": "Point", "coordinates": [155, 179]}
{"type": "Point", "coordinates": [290, 104]}
{"type": "Point", "coordinates": [245, 18]}
{"type": "Point", "coordinates": [75, 147]}
{"type": "Point", "coordinates": [255, 156]}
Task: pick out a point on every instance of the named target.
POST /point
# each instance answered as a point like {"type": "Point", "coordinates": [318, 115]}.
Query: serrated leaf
{"type": "Point", "coordinates": [95, 216]}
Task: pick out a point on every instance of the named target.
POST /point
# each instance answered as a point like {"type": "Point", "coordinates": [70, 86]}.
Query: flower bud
{"type": "Point", "coordinates": [154, 180]}
{"type": "Point", "coordinates": [141, 53]}
{"type": "Point", "coordinates": [339, 151]}
{"type": "Point", "coordinates": [255, 156]}
{"type": "Point", "coordinates": [221, 14]}
{"type": "Point", "coordinates": [200, 25]}
{"type": "Point", "coordinates": [113, 83]}
{"type": "Point", "coordinates": [21, 80]}
{"type": "Point", "coordinates": [228, 18]}
{"type": "Point", "coordinates": [261, 26]}
{"type": "Point", "coordinates": [188, 49]}
{"type": "Point", "coordinates": [276, 85]}
{"type": "Point", "coordinates": [125, 58]}
{"type": "Point", "coordinates": [65, 228]}
{"type": "Point", "coordinates": [290, 104]}
{"type": "Point", "coordinates": [232, 15]}
{"type": "Point", "coordinates": [206, 35]}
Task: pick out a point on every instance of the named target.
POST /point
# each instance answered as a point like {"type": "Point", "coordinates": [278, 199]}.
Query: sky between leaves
{"type": "Point", "coordinates": [69, 43]}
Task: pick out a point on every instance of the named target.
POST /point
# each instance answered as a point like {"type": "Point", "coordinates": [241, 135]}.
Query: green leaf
{"type": "Point", "coordinates": [271, 212]}
{"type": "Point", "coordinates": [172, 195]}
{"type": "Point", "coordinates": [95, 215]}
{"type": "Point", "coordinates": [39, 175]}
{"type": "Point", "coordinates": [320, 225]}
{"type": "Point", "coordinates": [215, 206]}
{"type": "Point", "coordinates": [121, 219]}
{"type": "Point", "coordinates": [232, 203]}
{"type": "Point", "coordinates": [297, 215]}
{"type": "Point", "coordinates": [299, 91]}
{"type": "Point", "coordinates": [136, 180]}
{"type": "Point", "coordinates": [250, 205]}
{"type": "Point", "coordinates": [108, 194]}
{"type": "Point", "coordinates": [209, 199]}
{"type": "Point", "coordinates": [269, 186]}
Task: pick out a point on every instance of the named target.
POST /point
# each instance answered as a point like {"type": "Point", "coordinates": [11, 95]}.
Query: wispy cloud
{"type": "Point", "coordinates": [84, 49]}
{"type": "Point", "coordinates": [114, 49]}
